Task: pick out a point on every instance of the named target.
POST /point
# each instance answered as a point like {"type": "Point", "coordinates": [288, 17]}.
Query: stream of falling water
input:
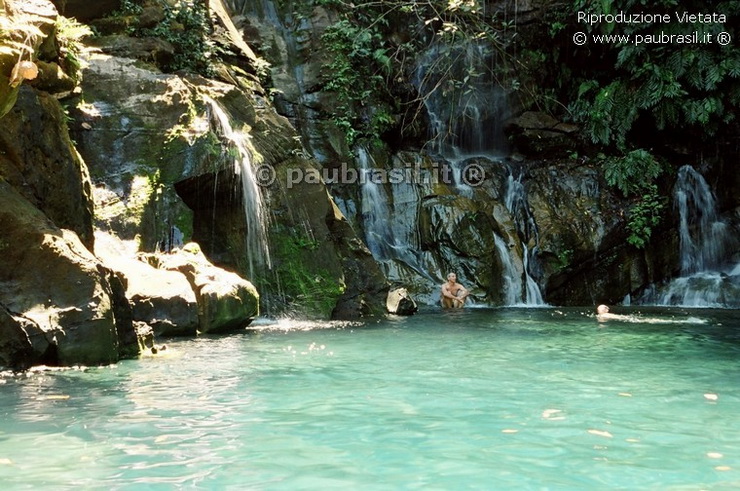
{"type": "Point", "coordinates": [255, 213]}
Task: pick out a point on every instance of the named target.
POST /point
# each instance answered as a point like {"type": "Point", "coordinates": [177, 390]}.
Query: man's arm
{"type": "Point", "coordinates": [458, 300]}
{"type": "Point", "coordinates": [446, 292]}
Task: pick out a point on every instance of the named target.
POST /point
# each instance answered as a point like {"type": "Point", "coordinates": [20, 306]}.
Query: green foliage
{"type": "Point", "coordinates": [645, 215]}
{"type": "Point", "coordinates": [632, 172]}
{"type": "Point", "coordinates": [609, 115]}
{"type": "Point", "coordinates": [316, 291]}
{"type": "Point", "coordinates": [130, 7]}
{"type": "Point", "coordinates": [356, 73]}
{"type": "Point", "coordinates": [69, 35]}
{"type": "Point", "coordinates": [634, 175]}
{"type": "Point", "coordinates": [669, 85]}
{"type": "Point", "coordinates": [626, 95]}
{"type": "Point", "coordinates": [564, 259]}
{"type": "Point", "coordinates": [187, 26]}
{"type": "Point", "coordinates": [369, 56]}
{"type": "Point", "coordinates": [18, 33]}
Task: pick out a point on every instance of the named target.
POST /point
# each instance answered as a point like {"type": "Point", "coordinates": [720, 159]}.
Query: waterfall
{"type": "Point", "coordinates": [465, 104]}
{"type": "Point", "coordinates": [534, 296]}
{"type": "Point", "coordinates": [512, 278]}
{"type": "Point", "coordinates": [387, 214]}
{"type": "Point", "coordinates": [516, 202]}
{"type": "Point", "coordinates": [704, 238]}
{"type": "Point", "coordinates": [374, 209]}
{"type": "Point", "coordinates": [255, 212]}
{"type": "Point", "coordinates": [463, 100]}
{"type": "Point", "coordinates": [708, 278]}
{"type": "Point", "coordinates": [389, 222]}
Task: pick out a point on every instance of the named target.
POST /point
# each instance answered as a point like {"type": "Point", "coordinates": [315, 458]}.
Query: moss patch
{"type": "Point", "coordinates": [314, 289]}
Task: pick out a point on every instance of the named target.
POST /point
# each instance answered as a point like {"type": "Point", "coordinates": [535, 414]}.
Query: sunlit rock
{"type": "Point", "coordinates": [226, 301]}
{"type": "Point", "coordinates": [163, 300]}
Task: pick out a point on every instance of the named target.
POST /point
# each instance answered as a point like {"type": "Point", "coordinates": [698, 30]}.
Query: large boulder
{"type": "Point", "coordinates": [179, 293]}
{"type": "Point", "coordinates": [226, 302]}
{"type": "Point", "coordinates": [161, 299]}
{"type": "Point", "coordinates": [582, 249]}
{"type": "Point", "coordinates": [51, 284]}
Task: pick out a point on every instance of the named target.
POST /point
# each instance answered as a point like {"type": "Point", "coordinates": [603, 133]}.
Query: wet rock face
{"type": "Point", "coordinates": [121, 128]}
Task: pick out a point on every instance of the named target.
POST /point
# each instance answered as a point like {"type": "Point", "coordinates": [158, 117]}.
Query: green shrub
{"type": "Point", "coordinates": [644, 216]}
{"type": "Point", "coordinates": [633, 174]}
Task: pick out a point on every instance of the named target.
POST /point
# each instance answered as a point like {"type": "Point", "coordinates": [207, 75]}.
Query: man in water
{"type": "Point", "coordinates": [453, 293]}
{"type": "Point", "coordinates": [603, 314]}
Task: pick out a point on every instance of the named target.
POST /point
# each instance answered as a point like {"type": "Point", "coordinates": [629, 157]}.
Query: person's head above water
{"type": "Point", "coordinates": [602, 309]}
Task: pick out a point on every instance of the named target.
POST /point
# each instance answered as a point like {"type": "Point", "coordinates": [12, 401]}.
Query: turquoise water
{"type": "Point", "coordinates": [476, 399]}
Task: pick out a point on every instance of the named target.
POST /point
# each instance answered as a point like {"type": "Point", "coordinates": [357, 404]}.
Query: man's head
{"type": "Point", "coordinates": [602, 309]}
{"type": "Point", "coordinates": [452, 277]}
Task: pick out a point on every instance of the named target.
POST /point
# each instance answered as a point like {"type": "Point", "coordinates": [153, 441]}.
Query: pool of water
{"type": "Point", "coordinates": [481, 398]}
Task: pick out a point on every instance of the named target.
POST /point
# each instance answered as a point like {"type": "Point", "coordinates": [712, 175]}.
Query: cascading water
{"type": "Point", "coordinates": [534, 296]}
{"type": "Point", "coordinates": [374, 209]}
{"type": "Point", "coordinates": [466, 108]}
{"type": "Point", "coordinates": [704, 238]}
{"type": "Point", "coordinates": [708, 278]}
{"type": "Point", "coordinates": [516, 202]}
{"type": "Point", "coordinates": [512, 277]}
{"type": "Point", "coordinates": [464, 103]}
{"type": "Point", "coordinates": [389, 224]}
{"type": "Point", "coordinates": [255, 213]}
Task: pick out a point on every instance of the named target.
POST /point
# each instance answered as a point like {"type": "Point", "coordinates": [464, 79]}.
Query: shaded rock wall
{"type": "Point", "coordinates": [38, 158]}
{"type": "Point", "coordinates": [64, 303]}
{"type": "Point", "coordinates": [84, 10]}
{"type": "Point", "coordinates": [58, 303]}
